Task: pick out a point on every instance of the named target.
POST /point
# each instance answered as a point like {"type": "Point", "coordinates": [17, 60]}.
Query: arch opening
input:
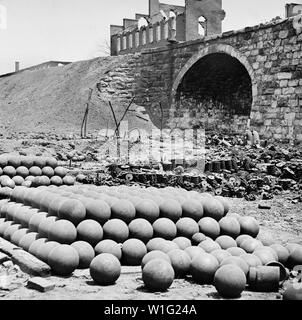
{"type": "Point", "coordinates": [216, 93]}
{"type": "Point", "coordinates": [202, 26]}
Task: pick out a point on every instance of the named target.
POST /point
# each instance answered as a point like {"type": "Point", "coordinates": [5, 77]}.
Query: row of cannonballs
{"type": "Point", "coordinates": [32, 171]}
{"type": "Point", "coordinates": [170, 232]}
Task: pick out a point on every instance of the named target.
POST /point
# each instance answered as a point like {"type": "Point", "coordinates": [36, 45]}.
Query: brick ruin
{"type": "Point", "coordinates": [224, 80]}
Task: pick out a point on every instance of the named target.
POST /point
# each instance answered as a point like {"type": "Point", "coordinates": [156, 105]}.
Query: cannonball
{"type": "Point", "coordinates": [229, 281]}
{"type": "Point", "coordinates": [85, 252]}
{"type": "Point", "coordinates": [105, 269]}
{"type": "Point", "coordinates": [63, 259]}
{"type": "Point", "coordinates": [203, 268]}
{"type": "Point", "coordinates": [158, 275]}
{"type": "Point", "coordinates": [109, 246]}
{"type": "Point", "coordinates": [209, 227]}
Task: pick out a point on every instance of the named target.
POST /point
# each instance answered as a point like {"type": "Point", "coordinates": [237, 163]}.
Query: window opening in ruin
{"type": "Point", "coordinates": [136, 39]}
{"type": "Point", "coordinates": [130, 40]}
{"type": "Point", "coordinates": [151, 35]}
{"type": "Point", "coordinates": [118, 44]}
{"type": "Point", "coordinates": [124, 46]}
{"type": "Point", "coordinates": [144, 37]}
{"type": "Point", "coordinates": [158, 35]}
{"type": "Point", "coordinates": [202, 26]}
{"type": "Point", "coordinates": [166, 29]}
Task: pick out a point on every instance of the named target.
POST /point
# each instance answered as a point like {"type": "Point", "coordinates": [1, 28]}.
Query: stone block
{"type": "Point", "coordinates": [288, 91]}
{"type": "Point", "coordinates": [293, 83]}
{"type": "Point", "coordinates": [283, 83]}
{"type": "Point", "coordinates": [40, 284]}
{"type": "Point", "coordinates": [256, 65]}
{"type": "Point", "coordinates": [284, 76]}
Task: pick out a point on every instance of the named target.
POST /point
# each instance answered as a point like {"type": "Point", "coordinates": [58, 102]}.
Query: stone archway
{"type": "Point", "coordinates": [222, 75]}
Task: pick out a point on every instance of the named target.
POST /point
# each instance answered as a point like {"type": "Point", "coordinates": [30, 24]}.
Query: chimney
{"type": "Point", "coordinates": [17, 66]}
{"type": "Point", "coordinates": [154, 8]}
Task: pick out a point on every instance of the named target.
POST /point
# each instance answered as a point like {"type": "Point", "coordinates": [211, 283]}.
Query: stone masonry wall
{"type": "Point", "coordinates": [272, 56]}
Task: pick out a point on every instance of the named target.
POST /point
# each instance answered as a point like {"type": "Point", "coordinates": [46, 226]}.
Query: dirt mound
{"type": "Point", "coordinates": [54, 99]}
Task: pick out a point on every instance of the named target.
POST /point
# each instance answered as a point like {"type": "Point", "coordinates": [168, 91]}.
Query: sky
{"type": "Point", "coordinates": [70, 30]}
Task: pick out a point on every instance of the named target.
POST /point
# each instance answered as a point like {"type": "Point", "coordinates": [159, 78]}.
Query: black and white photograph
{"type": "Point", "coordinates": [151, 154]}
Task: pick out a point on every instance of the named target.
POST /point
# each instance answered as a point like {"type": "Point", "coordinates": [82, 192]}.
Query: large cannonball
{"type": "Point", "coordinates": [45, 225]}
{"type": "Point", "coordinates": [26, 241]}
{"type": "Point", "coordinates": [250, 245]}
{"type": "Point", "coordinates": [212, 208]}
{"type": "Point", "coordinates": [229, 281]}
{"type": "Point", "coordinates": [133, 251]}
{"type": "Point", "coordinates": [44, 250]}
{"type": "Point", "coordinates": [35, 220]}
{"type": "Point", "coordinates": [187, 227]}
{"type": "Point", "coordinates": [155, 244]}
{"type": "Point", "coordinates": [282, 252]}
{"type": "Point", "coordinates": [180, 261]}
{"type": "Point", "coordinates": [63, 259]}
{"type": "Point", "coordinates": [105, 269]}
{"type": "Point", "coordinates": [35, 171]}
{"type": "Point", "coordinates": [230, 227]}
{"type": "Point", "coordinates": [116, 229]}
{"type": "Point", "coordinates": [72, 210]}
{"type": "Point", "coordinates": [250, 226]}
{"type": "Point", "coordinates": [225, 203]}
{"type": "Point", "coordinates": [35, 246]}
{"type": "Point", "coordinates": [183, 242]}
{"type": "Point", "coordinates": [156, 254]}
{"type": "Point", "coordinates": [164, 228]}
{"type": "Point", "coordinates": [123, 210]}
{"type": "Point", "coordinates": [147, 209]}
{"type": "Point", "coordinates": [239, 262]}
{"type": "Point", "coordinates": [226, 242]}
{"type": "Point", "coordinates": [97, 210]}
{"type": "Point", "coordinates": [18, 235]}
{"type": "Point", "coordinates": [209, 245]}
{"type": "Point", "coordinates": [18, 180]}
{"type": "Point", "coordinates": [141, 229]}
{"type": "Point", "coordinates": [85, 252]}
{"type": "Point", "coordinates": [60, 172]}
{"type": "Point", "coordinates": [56, 181]}
{"type": "Point", "coordinates": [158, 275]}
{"type": "Point", "coordinates": [295, 257]}
{"type": "Point", "coordinates": [90, 231]}
{"type": "Point", "coordinates": [62, 231]}
{"type": "Point", "coordinates": [209, 227]}
{"type": "Point", "coordinates": [235, 251]}
{"type": "Point", "coordinates": [242, 238]}
{"type": "Point", "coordinates": [192, 209]}
{"type": "Point", "coordinates": [203, 268]}
{"type": "Point", "coordinates": [170, 209]}
{"type": "Point", "coordinates": [109, 246]}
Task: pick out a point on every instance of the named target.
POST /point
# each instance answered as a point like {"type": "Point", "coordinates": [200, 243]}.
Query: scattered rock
{"type": "Point", "coordinates": [40, 284]}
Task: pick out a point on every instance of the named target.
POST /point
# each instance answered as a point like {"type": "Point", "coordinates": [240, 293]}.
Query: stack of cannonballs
{"type": "Point", "coordinates": [171, 233]}
{"type": "Point", "coordinates": [32, 171]}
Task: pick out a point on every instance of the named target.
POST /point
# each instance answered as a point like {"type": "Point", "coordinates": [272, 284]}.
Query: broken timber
{"type": "Point", "coordinates": [26, 261]}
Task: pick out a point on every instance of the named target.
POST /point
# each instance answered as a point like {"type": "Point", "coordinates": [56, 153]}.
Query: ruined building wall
{"type": "Point", "coordinates": [272, 57]}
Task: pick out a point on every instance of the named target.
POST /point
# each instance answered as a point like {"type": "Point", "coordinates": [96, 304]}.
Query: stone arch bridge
{"type": "Point", "coordinates": [253, 75]}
